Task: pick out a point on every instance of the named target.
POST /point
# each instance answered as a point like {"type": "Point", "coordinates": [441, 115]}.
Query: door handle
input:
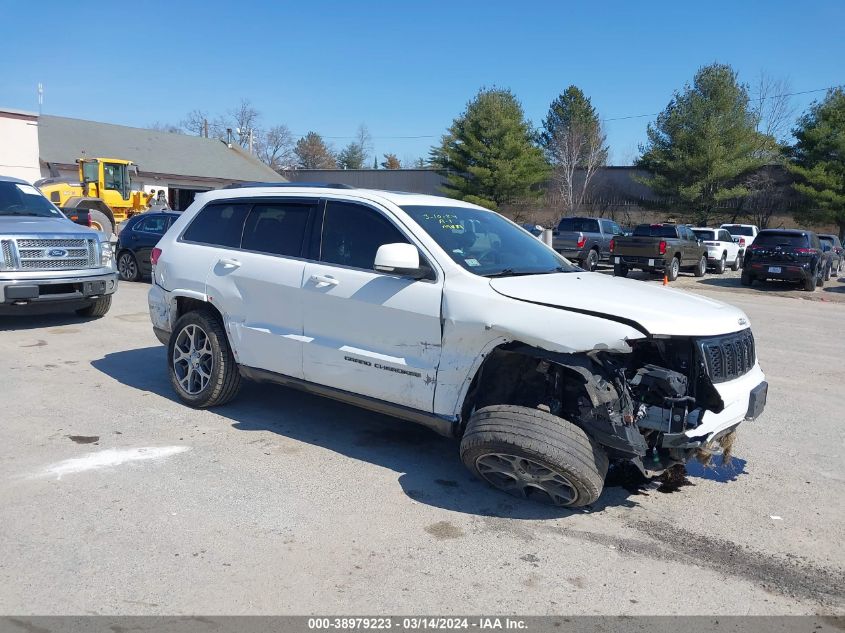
{"type": "Point", "coordinates": [324, 280]}
{"type": "Point", "coordinates": [230, 263]}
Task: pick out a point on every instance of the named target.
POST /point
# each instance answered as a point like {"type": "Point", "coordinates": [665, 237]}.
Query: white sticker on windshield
{"type": "Point", "coordinates": [472, 262]}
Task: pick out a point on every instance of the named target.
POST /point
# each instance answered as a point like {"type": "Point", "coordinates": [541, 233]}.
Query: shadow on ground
{"type": "Point", "coordinates": [428, 466]}
{"type": "Point", "coordinates": [36, 320]}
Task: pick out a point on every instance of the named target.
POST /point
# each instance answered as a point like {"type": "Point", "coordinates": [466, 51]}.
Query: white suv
{"type": "Point", "coordinates": [447, 314]}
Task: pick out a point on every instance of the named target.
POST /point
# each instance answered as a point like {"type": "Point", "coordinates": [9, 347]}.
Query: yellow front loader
{"type": "Point", "coordinates": [104, 189]}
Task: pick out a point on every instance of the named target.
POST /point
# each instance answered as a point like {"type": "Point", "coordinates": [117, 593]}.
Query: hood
{"type": "Point", "coordinates": [654, 309]}
{"type": "Point", "coordinates": [27, 225]}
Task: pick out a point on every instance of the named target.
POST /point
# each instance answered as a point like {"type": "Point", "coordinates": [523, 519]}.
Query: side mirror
{"type": "Point", "coordinates": [399, 259]}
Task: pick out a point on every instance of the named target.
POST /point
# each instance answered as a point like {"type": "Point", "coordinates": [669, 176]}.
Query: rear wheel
{"type": "Point", "coordinates": [100, 222]}
{"type": "Point", "coordinates": [673, 269]}
{"type": "Point", "coordinates": [592, 261]}
{"type": "Point", "coordinates": [127, 267]}
{"type": "Point", "coordinates": [97, 308]}
{"type": "Point", "coordinates": [620, 270]}
{"type": "Point", "coordinates": [701, 268]}
{"type": "Point", "coordinates": [810, 283]}
{"type": "Point", "coordinates": [723, 263]}
{"type": "Point", "coordinates": [202, 368]}
{"type": "Point", "coordinates": [827, 273]}
{"type": "Point", "coordinates": [746, 279]}
{"type": "Point", "coordinates": [534, 455]}
{"type": "Point", "coordinates": [737, 262]}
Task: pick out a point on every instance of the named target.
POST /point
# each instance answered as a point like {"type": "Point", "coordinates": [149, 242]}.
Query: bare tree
{"type": "Point", "coordinates": [275, 147]}
{"type": "Point", "coordinates": [195, 122]}
{"type": "Point", "coordinates": [575, 145]}
{"type": "Point", "coordinates": [245, 119]}
{"type": "Point", "coordinates": [773, 106]}
{"type": "Point", "coordinates": [364, 141]}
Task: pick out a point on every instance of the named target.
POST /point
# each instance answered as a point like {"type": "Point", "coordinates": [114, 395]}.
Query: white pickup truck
{"type": "Point", "coordinates": [46, 259]}
{"type": "Point", "coordinates": [449, 315]}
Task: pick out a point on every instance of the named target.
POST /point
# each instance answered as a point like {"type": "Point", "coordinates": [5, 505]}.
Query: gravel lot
{"type": "Point", "coordinates": [115, 499]}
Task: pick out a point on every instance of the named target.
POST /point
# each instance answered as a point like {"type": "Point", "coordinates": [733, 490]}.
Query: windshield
{"type": "Point", "coordinates": [655, 230]}
{"type": "Point", "coordinates": [21, 199]}
{"type": "Point", "coordinates": [583, 225]}
{"type": "Point", "coordinates": [736, 229]}
{"type": "Point", "coordinates": [703, 234]}
{"type": "Point", "coordinates": [485, 243]}
{"type": "Point", "coordinates": [781, 239]}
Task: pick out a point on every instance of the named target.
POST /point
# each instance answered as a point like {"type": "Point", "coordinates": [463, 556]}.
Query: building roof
{"type": "Point", "coordinates": [62, 140]}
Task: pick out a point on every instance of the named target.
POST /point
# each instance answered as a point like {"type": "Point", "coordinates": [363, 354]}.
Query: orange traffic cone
{"type": "Point", "coordinates": [665, 280]}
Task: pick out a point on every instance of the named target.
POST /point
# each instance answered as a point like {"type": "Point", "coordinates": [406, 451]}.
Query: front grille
{"type": "Point", "coordinates": [729, 356]}
{"type": "Point", "coordinates": [35, 254]}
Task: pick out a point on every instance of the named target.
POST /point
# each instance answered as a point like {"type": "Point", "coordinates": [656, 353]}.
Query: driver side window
{"type": "Point", "coordinates": [352, 234]}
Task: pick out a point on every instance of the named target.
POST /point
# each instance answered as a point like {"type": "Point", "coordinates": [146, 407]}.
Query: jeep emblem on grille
{"type": "Point", "coordinates": [57, 252]}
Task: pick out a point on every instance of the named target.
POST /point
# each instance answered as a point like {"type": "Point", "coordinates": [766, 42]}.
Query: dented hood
{"type": "Point", "coordinates": [654, 309]}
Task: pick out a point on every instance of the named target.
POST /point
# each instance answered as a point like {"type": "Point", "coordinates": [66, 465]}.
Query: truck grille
{"type": "Point", "coordinates": [49, 254]}
{"type": "Point", "coordinates": [728, 357]}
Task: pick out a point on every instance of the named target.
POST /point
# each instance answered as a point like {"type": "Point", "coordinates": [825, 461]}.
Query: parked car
{"type": "Point", "coordinates": [664, 248]}
{"type": "Point", "coordinates": [786, 254]}
{"type": "Point", "coordinates": [138, 235]}
{"type": "Point", "coordinates": [743, 235]}
{"type": "Point", "coordinates": [535, 229]}
{"type": "Point", "coordinates": [837, 254]}
{"type": "Point", "coordinates": [446, 314]}
{"type": "Point", "coordinates": [585, 240]}
{"type": "Point", "coordinates": [721, 249]}
{"type": "Point", "coordinates": [46, 259]}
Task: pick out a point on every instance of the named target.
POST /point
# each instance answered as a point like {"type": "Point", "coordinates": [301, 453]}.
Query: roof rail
{"type": "Point", "coordinates": [320, 185]}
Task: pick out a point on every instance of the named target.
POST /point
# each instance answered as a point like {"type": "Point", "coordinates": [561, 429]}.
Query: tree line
{"type": "Point", "coordinates": [276, 145]}
{"type": "Point", "coordinates": [705, 152]}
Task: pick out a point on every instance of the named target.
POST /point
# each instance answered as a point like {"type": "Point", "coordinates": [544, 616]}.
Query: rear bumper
{"type": "Point", "coordinates": [789, 272]}
{"type": "Point", "coordinates": [569, 253]}
{"type": "Point", "coordinates": [636, 261]}
{"type": "Point", "coordinates": [34, 290]}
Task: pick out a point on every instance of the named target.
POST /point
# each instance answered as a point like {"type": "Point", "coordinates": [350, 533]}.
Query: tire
{"type": "Point", "coordinates": [592, 261]}
{"type": "Point", "coordinates": [673, 269]}
{"type": "Point", "coordinates": [537, 442]}
{"type": "Point", "coordinates": [701, 268]}
{"type": "Point", "coordinates": [827, 274]}
{"type": "Point", "coordinates": [97, 308]}
{"type": "Point", "coordinates": [127, 266]}
{"type": "Point", "coordinates": [620, 270]}
{"type": "Point", "coordinates": [737, 263]}
{"type": "Point", "coordinates": [746, 279]}
{"type": "Point", "coordinates": [810, 283]}
{"type": "Point", "coordinates": [100, 222]}
{"type": "Point", "coordinates": [220, 379]}
{"type": "Point", "coordinates": [722, 265]}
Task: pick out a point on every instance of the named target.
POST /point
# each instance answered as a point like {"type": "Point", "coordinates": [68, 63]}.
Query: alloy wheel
{"type": "Point", "coordinates": [127, 267]}
{"type": "Point", "coordinates": [193, 359]}
{"type": "Point", "coordinates": [526, 478]}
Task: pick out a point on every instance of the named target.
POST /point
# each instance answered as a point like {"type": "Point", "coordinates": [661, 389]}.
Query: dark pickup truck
{"type": "Point", "coordinates": [790, 255]}
{"type": "Point", "coordinates": [663, 248]}
{"type": "Point", "coordinates": [585, 240]}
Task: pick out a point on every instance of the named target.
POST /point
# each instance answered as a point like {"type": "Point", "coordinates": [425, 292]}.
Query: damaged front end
{"type": "Point", "coordinates": [644, 406]}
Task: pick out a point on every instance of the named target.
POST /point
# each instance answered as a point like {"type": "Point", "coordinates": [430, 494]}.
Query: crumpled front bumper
{"type": "Point", "coordinates": [744, 398]}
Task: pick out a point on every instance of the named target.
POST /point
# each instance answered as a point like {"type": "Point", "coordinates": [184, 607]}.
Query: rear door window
{"type": "Point", "coordinates": [582, 225]}
{"type": "Point", "coordinates": [219, 224]}
{"type": "Point", "coordinates": [277, 228]}
{"type": "Point", "coordinates": [655, 230]}
{"type": "Point", "coordinates": [703, 235]}
{"type": "Point", "coordinates": [156, 224]}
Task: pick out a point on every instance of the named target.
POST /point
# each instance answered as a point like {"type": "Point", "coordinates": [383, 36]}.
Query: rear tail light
{"type": "Point", "coordinates": [612, 245]}
{"type": "Point", "coordinates": [581, 241]}
{"type": "Point", "coordinates": [805, 251]}
{"type": "Point", "coordinates": [154, 255]}
{"type": "Point", "coordinates": [662, 247]}
{"type": "Point", "coordinates": [89, 220]}
{"type": "Point", "coordinates": [742, 241]}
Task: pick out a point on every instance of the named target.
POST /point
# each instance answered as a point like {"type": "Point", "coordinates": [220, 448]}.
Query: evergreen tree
{"type": "Point", "coordinates": [375, 162]}
{"type": "Point", "coordinates": [704, 144]}
{"type": "Point", "coordinates": [313, 153]}
{"type": "Point", "coordinates": [489, 152]}
{"type": "Point", "coordinates": [391, 161]}
{"type": "Point", "coordinates": [819, 161]}
{"type": "Point", "coordinates": [351, 157]}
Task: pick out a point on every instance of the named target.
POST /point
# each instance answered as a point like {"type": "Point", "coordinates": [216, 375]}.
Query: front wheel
{"type": "Point", "coordinates": [701, 267]}
{"type": "Point", "coordinates": [97, 308]}
{"type": "Point", "coordinates": [202, 368]}
{"type": "Point", "coordinates": [101, 222]}
{"type": "Point", "coordinates": [534, 455]}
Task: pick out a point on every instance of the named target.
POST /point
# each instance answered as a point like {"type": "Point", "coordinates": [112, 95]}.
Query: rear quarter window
{"type": "Point", "coordinates": [782, 239]}
{"type": "Point", "coordinates": [579, 224]}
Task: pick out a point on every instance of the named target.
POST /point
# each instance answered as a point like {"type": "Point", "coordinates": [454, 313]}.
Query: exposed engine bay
{"type": "Point", "coordinates": [639, 406]}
